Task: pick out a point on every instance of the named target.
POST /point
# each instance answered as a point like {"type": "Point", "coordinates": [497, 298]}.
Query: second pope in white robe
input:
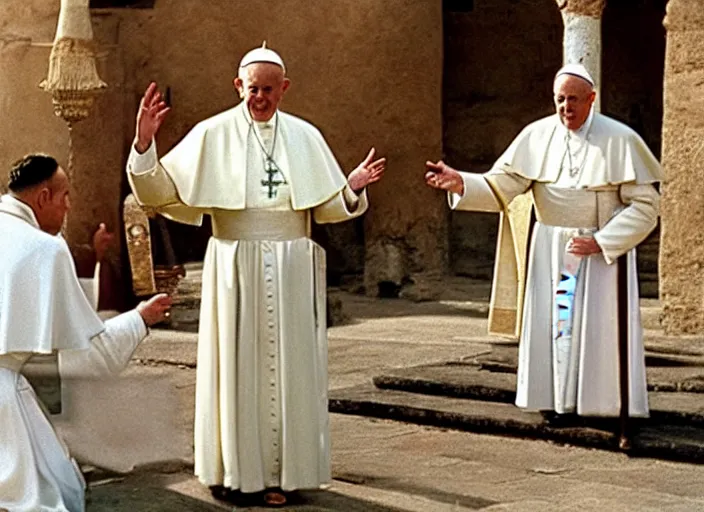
{"type": "Point", "coordinates": [607, 193]}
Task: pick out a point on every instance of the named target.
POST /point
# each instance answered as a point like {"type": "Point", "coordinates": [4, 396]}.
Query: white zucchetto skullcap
{"type": "Point", "coordinates": [262, 54]}
{"type": "Point", "coordinates": [576, 70]}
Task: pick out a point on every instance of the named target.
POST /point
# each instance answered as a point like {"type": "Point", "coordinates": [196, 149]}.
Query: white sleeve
{"type": "Point", "coordinates": [151, 184]}
{"type": "Point", "coordinates": [342, 206]}
{"type": "Point", "coordinates": [91, 287]}
{"type": "Point", "coordinates": [142, 163]}
{"type": "Point", "coordinates": [631, 225]}
{"type": "Point", "coordinates": [488, 192]}
{"type": "Point", "coordinates": [109, 352]}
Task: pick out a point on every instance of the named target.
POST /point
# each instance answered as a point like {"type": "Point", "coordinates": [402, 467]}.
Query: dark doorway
{"type": "Point", "coordinates": [500, 59]}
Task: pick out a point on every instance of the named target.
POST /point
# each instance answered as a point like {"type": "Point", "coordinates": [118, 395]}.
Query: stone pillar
{"type": "Point", "coordinates": [582, 37]}
{"type": "Point", "coordinates": [682, 207]}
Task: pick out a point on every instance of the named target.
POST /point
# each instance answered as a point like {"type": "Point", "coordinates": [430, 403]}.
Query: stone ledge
{"type": "Point", "coordinates": [678, 443]}
{"type": "Point", "coordinates": [456, 381]}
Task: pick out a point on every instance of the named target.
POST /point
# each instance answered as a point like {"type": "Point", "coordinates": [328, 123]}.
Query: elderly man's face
{"type": "Point", "coordinates": [573, 100]}
{"type": "Point", "coordinates": [262, 87]}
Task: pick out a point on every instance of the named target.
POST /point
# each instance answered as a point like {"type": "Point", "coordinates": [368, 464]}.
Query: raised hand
{"type": "Point", "coordinates": [102, 239]}
{"type": "Point", "coordinates": [367, 172]}
{"type": "Point", "coordinates": [152, 111]}
{"type": "Point", "coordinates": [441, 176]}
{"type": "Point", "coordinates": [156, 309]}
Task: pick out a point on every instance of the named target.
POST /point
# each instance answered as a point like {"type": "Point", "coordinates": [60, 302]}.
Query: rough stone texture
{"type": "Point", "coordinates": [407, 218]}
{"type": "Point", "coordinates": [682, 210]}
{"type": "Point", "coordinates": [675, 442]}
{"type": "Point", "coordinates": [592, 8]}
{"type": "Point", "coordinates": [478, 383]}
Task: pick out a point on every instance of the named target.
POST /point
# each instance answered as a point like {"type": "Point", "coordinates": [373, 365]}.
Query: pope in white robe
{"type": "Point", "coordinates": [589, 180]}
{"type": "Point", "coordinates": [263, 176]}
{"type": "Point", "coordinates": [43, 309]}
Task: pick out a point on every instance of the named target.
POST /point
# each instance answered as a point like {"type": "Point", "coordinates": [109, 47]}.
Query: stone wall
{"type": "Point", "coordinates": [682, 248]}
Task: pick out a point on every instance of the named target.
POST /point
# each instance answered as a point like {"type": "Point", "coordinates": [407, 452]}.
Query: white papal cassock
{"type": "Point", "coordinates": [261, 393]}
{"type": "Point", "coordinates": [609, 193]}
{"type": "Point", "coordinates": [44, 309]}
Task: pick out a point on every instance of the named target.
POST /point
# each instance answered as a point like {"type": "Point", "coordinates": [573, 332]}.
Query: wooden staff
{"type": "Point", "coordinates": [624, 441]}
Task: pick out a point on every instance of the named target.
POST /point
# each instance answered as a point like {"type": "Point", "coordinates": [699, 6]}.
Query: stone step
{"type": "Point", "coordinates": [463, 381]}
{"type": "Point", "coordinates": [681, 443]}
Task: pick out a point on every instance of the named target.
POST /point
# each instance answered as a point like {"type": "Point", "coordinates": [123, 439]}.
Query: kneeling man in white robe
{"type": "Point", "coordinates": [44, 309]}
{"type": "Point", "coordinates": [262, 175]}
{"type": "Point", "coordinates": [590, 181]}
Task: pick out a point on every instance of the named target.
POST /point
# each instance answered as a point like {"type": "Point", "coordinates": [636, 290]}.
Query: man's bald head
{"type": "Point", "coordinates": [574, 96]}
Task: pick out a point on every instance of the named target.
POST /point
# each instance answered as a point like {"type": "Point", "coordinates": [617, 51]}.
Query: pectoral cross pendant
{"type": "Point", "coordinates": [271, 170]}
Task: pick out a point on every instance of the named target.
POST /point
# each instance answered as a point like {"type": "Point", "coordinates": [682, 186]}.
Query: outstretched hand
{"type": "Point", "coordinates": [367, 172]}
{"type": "Point", "coordinates": [443, 177]}
{"type": "Point", "coordinates": [156, 309]}
{"type": "Point", "coordinates": [152, 111]}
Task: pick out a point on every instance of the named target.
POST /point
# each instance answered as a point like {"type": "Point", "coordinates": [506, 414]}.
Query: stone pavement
{"type": "Point", "coordinates": [476, 390]}
{"type": "Point", "coordinates": [387, 466]}
{"type": "Point", "coordinates": [384, 465]}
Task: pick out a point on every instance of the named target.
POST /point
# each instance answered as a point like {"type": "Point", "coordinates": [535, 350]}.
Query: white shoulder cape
{"type": "Point", "coordinates": [209, 165]}
{"type": "Point", "coordinates": [615, 154]}
{"type": "Point", "coordinates": [42, 305]}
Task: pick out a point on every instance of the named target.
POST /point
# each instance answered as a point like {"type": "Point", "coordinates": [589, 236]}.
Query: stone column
{"type": "Point", "coordinates": [582, 37]}
{"type": "Point", "coordinates": [682, 206]}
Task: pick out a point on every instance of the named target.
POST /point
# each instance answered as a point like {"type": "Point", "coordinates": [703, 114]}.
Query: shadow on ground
{"type": "Point", "coordinates": [132, 496]}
